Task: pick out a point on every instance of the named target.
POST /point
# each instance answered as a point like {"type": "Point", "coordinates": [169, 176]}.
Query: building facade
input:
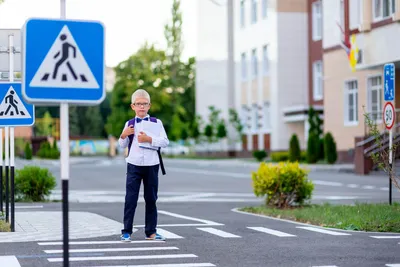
{"type": "Point", "coordinates": [350, 95]}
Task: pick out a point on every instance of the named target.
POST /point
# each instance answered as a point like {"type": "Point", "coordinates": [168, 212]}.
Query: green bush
{"type": "Point", "coordinates": [47, 151]}
{"type": "Point", "coordinates": [294, 149]}
{"type": "Point", "coordinates": [330, 148]}
{"type": "Point", "coordinates": [312, 148]}
{"type": "Point", "coordinates": [28, 151]}
{"type": "Point", "coordinates": [260, 154]}
{"type": "Point", "coordinates": [34, 183]}
{"type": "Point", "coordinates": [283, 184]}
{"type": "Point", "coordinates": [280, 156]}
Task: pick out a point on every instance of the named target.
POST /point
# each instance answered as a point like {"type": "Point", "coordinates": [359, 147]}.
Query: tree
{"type": "Point", "coordinates": [235, 121]}
{"type": "Point", "coordinates": [380, 155]}
{"type": "Point", "coordinates": [294, 149]}
{"type": "Point", "coordinates": [93, 125]}
{"type": "Point", "coordinates": [315, 129]}
{"type": "Point", "coordinates": [146, 69]}
{"type": "Point", "coordinates": [74, 127]}
{"type": "Point", "coordinates": [330, 148]}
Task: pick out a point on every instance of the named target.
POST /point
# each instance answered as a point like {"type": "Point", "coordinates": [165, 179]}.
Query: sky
{"type": "Point", "coordinates": [129, 23]}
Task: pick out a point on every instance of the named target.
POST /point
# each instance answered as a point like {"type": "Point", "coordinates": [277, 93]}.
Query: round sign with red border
{"type": "Point", "coordinates": [389, 115]}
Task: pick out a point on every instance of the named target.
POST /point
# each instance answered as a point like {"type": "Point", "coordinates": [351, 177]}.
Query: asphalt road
{"type": "Point", "coordinates": [197, 213]}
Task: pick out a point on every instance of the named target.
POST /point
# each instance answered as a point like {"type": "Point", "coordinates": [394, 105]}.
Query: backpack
{"type": "Point", "coordinates": [152, 119]}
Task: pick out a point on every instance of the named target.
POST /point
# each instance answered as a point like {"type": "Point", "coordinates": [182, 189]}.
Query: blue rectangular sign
{"type": "Point", "coordinates": [14, 111]}
{"type": "Point", "coordinates": [63, 61]}
{"type": "Point", "coordinates": [389, 82]}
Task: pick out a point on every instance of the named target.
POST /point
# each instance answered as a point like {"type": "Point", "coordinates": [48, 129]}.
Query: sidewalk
{"type": "Point", "coordinates": [47, 226]}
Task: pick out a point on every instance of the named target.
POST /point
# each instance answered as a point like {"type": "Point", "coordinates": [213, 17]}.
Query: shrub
{"type": "Point", "coordinates": [294, 149]}
{"type": "Point", "coordinates": [34, 183]}
{"type": "Point", "coordinates": [280, 156]}
{"type": "Point", "coordinates": [312, 148]}
{"type": "Point", "coordinates": [330, 148]}
{"type": "Point", "coordinates": [259, 154]}
{"type": "Point", "coordinates": [283, 184]}
{"type": "Point", "coordinates": [48, 151]}
{"type": "Point", "coordinates": [28, 151]}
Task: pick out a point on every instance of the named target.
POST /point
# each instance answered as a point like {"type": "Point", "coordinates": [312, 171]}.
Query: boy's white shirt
{"type": "Point", "coordinates": [141, 156]}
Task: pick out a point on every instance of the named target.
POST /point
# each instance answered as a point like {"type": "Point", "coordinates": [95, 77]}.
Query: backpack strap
{"type": "Point", "coordinates": [152, 119]}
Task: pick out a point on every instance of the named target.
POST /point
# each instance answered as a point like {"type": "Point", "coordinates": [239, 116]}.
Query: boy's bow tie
{"type": "Point", "coordinates": [139, 119]}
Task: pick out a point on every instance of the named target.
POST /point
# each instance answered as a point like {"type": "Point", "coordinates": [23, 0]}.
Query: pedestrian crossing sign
{"type": "Point", "coordinates": [63, 61]}
{"type": "Point", "coordinates": [14, 111]}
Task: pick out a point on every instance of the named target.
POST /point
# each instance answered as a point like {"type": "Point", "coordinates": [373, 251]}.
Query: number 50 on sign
{"type": "Point", "coordinates": [389, 115]}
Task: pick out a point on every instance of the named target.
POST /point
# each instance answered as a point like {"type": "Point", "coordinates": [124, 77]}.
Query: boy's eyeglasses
{"type": "Point", "coordinates": [141, 104]}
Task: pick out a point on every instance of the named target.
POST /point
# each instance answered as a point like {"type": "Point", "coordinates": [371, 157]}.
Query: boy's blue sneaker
{"type": "Point", "coordinates": [126, 238]}
{"type": "Point", "coordinates": [156, 237]}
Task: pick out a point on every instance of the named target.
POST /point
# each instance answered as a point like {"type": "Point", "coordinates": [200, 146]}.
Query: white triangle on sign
{"type": "Point", "coordinates": [64, 57]}
{"type": "Point", "coordinates": [12, 107]}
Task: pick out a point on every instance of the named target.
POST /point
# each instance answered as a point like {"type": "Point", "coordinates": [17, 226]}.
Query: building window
{"type": "Point", "coordinates": [242, 13]}
{"type": "Point", "coordinates": [355, 13]}
{"type": "Point", "coordinates": [317, 20]}
{"type": "Point", "coordinates": [244, 118]}
{"type": "Point", "coordinates": [255, 117]}
{"type": "Point", "coordinates": [265, 60]}
{"type": "Point", "coordinates": [264, 8]}
{"type": "Point", "coordinates": [266, 115]}
{"type": "Point", "coordinates": [351, 102]}
{"type": "Point", "coordinates": [254, 11]}
{"type": "Point", "coordinates": [383, 8]}
{"type": "Point", "coordinates": [254, 63]}
{"type": "Point", "coordinates": [244, 66]}
{"type": "Point", "coordinates": [375, 98]}
{"type": "Point", "coordinates": [318, 89]}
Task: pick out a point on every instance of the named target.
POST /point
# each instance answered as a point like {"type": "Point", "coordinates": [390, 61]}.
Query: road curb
{"type": "Point", "coordinates": [307, 224]}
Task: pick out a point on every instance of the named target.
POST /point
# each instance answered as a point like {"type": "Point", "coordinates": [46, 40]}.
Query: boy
{"type": "Point", "coordinates": [142, 163]}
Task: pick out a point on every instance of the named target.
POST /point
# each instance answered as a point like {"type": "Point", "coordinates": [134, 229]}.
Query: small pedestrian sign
{"type": "Point", "coordinates": [63, 61]}
{"type": "Point", "coordinates": [389, 82]}
{"type": "Point", "coordinates": [14, 111]}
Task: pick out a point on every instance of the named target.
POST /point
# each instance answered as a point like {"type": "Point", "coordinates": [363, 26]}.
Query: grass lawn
{"type": "Point", "coordinates": [360, 217]}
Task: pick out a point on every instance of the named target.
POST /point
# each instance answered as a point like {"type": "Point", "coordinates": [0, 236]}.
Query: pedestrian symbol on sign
{"type": "Point", "coordinates": [64, 66]}
{"type": "Point", "coordinates": [12, 106]}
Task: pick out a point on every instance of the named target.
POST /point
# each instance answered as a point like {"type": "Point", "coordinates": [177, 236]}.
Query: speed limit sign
{"type": "Point", "coordinates": [389, 115]}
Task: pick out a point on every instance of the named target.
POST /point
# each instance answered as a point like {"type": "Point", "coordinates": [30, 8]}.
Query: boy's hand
{"type": "Point", "coordinates": [144, 138]}
{"type": "Point", "coordinates": [128, 131]}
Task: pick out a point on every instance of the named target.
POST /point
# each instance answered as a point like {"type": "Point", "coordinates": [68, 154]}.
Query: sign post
{"type": "Point", "coordinates": [389, 114]}
{"type": "Point", "coordinates": [65, 66]}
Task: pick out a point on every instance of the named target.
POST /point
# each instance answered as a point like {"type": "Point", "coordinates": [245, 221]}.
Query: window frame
{"type": "Point", "coordinates": [265, 59]}
{"type": "Point", "coordinates": [317, 30]}
{"type": "Point", "coordinates": [254, 11]}
{"type": "Point", "coordinates": [318, 79]}
{"type": "Point", "coordinates": [242, 14]}
{"type": "Point", "coordinates": [346, 94]}
{"type": "Point", "coordinates": [381, 16]}
{"type": "Point", "coordinates": [243, 62]}
{"type": "Point", "coordinates": [378, 88]}
{"type": "Point", "coordinates": [254, 63]}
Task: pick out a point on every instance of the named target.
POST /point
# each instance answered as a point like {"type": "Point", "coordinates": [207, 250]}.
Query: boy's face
{"type": "Point", "coordinates": [141, 107]}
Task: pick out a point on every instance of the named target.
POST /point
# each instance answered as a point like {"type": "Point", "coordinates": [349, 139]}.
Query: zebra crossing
{"type": "Point", "coordinates": [144, 252]}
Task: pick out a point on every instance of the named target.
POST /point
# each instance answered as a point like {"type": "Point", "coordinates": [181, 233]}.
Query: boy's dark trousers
{"type": "Point", "coordinates": [134, 176]}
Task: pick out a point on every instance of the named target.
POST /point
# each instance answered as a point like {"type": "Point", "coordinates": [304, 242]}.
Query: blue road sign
{"type": "Point", "coordinates": [63, 61]}
{"type": "Point", "coordinates": [14, 111]}
{"type": "Point", "coordinates": [388, 81]}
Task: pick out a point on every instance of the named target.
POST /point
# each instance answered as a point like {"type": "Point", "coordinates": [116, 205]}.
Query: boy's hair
{"type": "Point", "coordinates": [140, 93]}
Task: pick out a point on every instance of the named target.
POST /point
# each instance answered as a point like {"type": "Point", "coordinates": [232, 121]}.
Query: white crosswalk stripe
{"type": "Point", "coordinates": [168, 234]}
{"type": "Point", "coordinates": [271, 232]}
{"type": "Point", "coordinates": [218, 232]}
{"type": "Point", "coordinates": [323, 231]}
{"type": "Point", "coordinates": [116, 251]}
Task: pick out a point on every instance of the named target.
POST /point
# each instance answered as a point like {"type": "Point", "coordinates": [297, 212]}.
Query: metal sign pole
{"type": "Point", "coordinates": [1, 169]}
{"type": "Point", "coordinates": [11, 77]}
{"type": "Point", "coordinates": [64, 148]}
